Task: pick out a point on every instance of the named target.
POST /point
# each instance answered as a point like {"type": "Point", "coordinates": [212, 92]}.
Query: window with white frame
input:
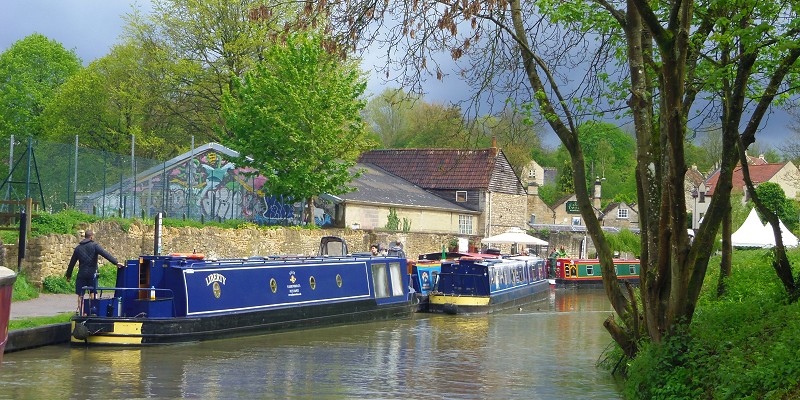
{"type": "Point", "coordinates": [465, 224]}
{"type": "Point", "coordinates": [461, 196]}
{"type": "Point", "coordinates": [576, 220]}
{"type": "Point", "coordinates": [622, 213]}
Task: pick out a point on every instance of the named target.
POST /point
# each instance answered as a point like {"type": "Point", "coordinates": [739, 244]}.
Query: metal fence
{"type": "Point", "coordinates": [201, 184]}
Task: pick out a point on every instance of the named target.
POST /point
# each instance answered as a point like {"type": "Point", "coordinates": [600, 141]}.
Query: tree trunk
{"type": "Point", "coordinates": [727, 252]}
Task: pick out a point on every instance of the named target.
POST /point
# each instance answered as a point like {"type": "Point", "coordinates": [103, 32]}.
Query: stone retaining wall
{"type": "Point", "coordinates": [50, 255]}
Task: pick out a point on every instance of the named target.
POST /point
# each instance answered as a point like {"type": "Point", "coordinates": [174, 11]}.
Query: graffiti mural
{"type": "Point", "coordinates": [200, 186]}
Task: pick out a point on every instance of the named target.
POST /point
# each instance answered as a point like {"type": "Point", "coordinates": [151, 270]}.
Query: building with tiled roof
{"type": "Point", "coordinates": [786, 175]}
{"type": "Point", "coordinates": [377, 191]}
{"type": "Point", "coordinates": [480, 180]}
{"type": "Point", "coordinates": [620, 214]}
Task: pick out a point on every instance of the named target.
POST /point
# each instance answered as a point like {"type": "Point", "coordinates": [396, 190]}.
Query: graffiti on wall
{"type": "Point", "coordinates": [209, 187]}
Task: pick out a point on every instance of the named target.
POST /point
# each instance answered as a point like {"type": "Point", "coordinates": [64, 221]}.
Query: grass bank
{"type": "Point", "coordinates": [745, 344]}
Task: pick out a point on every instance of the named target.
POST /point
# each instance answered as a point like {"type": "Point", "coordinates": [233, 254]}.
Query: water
{"type": "Point", "coordinates": [547, 350]}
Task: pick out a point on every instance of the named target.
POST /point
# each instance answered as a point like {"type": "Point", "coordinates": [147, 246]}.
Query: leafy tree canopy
{"type": "Point", "coordinates": [296, 119]}
{"type": "Point", "coordinates": [31, 71]}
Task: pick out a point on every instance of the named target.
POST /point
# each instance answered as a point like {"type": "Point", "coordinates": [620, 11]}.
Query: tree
{"type": "Point", "coordinates": [116, 96]}
{"type": "Point", "coordinates": [296, 120]}
{"type": "Point", "coordinates": [645, 58]}
{"type": "Point", "coordinates": [389, 116]}
{"type": "Point", "coordinates": [203, 47]}
{"type": "Point", "coordinates": [31, 71]}
{"type": "Point", "coordinates": [774, 199]}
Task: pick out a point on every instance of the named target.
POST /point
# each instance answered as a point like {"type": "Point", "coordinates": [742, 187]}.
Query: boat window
{"type": "Point", "coordinates": [380, 280]}
{"type": "Point", "coordinates": [589, 270]}
{"type": "Point", "coordinates": [633, 269]}
{"type": "Point", "coordinates": [397, 279]}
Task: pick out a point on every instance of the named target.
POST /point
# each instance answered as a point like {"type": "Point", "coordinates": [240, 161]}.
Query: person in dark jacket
{"type": "Point", "coordinates": [86, 255]}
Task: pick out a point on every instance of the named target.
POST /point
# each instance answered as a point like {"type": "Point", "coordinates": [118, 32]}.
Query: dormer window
{"type": "Point", "coordinates": [461, 196]}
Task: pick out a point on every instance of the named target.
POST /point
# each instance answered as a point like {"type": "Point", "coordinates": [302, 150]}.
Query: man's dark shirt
{"type": "Point", "coordinates": [86, 254]}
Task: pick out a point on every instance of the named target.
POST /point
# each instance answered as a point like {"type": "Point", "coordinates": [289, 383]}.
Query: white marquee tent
{"type": "Point", "coordinates": [753, 233]}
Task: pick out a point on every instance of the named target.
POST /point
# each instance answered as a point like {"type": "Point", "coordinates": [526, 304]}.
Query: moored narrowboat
{"type": "Point", "coordinates": [479, 286]}
{"type": "Point", "coordinates": [7, 279]}
{"type": "Point", "coordinates": [425, 273]}
{"type": "Point", "coordinates": [184, 298]}
{"type": "Point", "coordinates": [571, 272]}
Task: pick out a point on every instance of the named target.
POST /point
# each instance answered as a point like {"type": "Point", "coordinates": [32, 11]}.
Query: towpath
{"type": "Point", "coordinates": [45, 305]}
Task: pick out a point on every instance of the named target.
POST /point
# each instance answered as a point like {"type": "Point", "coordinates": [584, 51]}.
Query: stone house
{"type": "Point", "coordinates": [620, 215]}
{"type": "Point", "coordinates": [481, 181]}
{"type": "Point", "coordinates": [786, 175]}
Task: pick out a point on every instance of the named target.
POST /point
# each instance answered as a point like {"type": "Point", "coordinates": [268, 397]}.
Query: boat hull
{"type": "Point", "coordinates": [577, 273]}
{"type": "Point", "coordinates": [147, 331]}
{"type": "Point", "coordinates": [519, 297]}
{"type": "Point", "coordinates": [174, 299]}
{"type": "Point", "coordinates": [7, 279]}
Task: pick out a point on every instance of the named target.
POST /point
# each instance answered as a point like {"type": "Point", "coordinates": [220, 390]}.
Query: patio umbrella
{"type": "Point", "coordinates": [515, 235]}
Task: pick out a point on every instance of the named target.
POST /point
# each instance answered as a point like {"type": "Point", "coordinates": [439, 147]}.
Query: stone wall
{"type": "Point", "coordinates": [507, 211]}
{"type": "Point", "coordinates": [50, 255]}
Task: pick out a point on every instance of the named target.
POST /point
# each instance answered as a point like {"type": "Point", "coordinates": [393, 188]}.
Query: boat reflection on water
{"type": "Point", "coordinates": [583, 299]}
{"type": "Point", "coordinates": [547, 350]}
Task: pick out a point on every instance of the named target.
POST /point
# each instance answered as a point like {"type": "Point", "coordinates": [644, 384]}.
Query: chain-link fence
{"type": "Point", "coordinates": [200, 184]}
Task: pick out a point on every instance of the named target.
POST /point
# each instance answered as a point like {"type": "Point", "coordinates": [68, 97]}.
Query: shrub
{"type": "Point", "coordinates": [57, 284]}
{"type": "Point", "coordinates": [23, 290]}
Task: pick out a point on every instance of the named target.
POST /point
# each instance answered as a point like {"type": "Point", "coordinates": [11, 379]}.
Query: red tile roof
{"type": "Point", "coordinates": [437, 168]}
{"type": "Point", "coordinates": [758, 174]}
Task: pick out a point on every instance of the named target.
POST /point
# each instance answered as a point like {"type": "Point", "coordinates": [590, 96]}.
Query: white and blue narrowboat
{"type": "Point", "coordinates": [476, 285]}
{"type": "Point", "coordinates": [185, 298]}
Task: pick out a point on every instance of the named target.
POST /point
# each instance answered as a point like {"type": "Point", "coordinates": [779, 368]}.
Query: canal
{"type": "Point", "coordinates": [546, 350]}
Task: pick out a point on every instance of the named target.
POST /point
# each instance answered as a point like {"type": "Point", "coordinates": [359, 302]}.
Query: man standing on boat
{"type": "Point", "coordinates": [86, 255]}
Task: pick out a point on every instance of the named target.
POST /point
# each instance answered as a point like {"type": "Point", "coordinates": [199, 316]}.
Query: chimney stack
{"type": "Point", "coordinates": [596, 198]}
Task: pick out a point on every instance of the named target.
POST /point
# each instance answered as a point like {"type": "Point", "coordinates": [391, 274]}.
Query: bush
{"type": "Point", "coordinates": [23, 290]}
{"type": "Point", "coordinates": [740, 345]}
{"type": "Point", "coordinates": [57, 284]}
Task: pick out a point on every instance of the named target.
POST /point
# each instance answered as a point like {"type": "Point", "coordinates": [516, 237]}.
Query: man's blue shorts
{"type": "Point", "coordinates": [80, 283]}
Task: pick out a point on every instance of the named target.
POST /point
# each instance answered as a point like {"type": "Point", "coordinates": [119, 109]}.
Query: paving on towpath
{"type": "Point", "coordinates": [46, 305]}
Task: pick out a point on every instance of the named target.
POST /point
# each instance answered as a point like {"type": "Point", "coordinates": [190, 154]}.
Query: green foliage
{"type": "Point", "coordinates": [62, 222]}
{"type": "Point", "coordinates": [38, 321]}
{"type": "Point", "coordinates": [774, 198]}
{"type": "Point", "coordinates": [624, 242]}
{"type": "Point", "coordinates": [742, 345]}
{"type": "Point", "coordinates": [406, 225]}
{"type": "Point", "coordinates": [31, 71]}
{"type": "Point", "coordinates": [393, 222]}
{"type": "Point", "coordinates": [23, 290]}
{"type": "Point", "coordinates": [57, 284]}
{"type": "Point", "coordinates": [549, 194]}
{"type": "Point", "coordinates": [296, 119]}
{"type": "Point", "coordinates": [564, 183]}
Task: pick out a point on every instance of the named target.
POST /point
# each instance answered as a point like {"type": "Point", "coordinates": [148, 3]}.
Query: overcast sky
{"type": "Point", "coordinates": [91, 27]}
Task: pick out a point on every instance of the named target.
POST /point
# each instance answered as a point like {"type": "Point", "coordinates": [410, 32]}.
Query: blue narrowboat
{"type": "Point", "coordinates": [475, 285]}
{"type": "Point", "coordinates": [425, 273]}
{"type": "Point", "coordinates": [185, 298]}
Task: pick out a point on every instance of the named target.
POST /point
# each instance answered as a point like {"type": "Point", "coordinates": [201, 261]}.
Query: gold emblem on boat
{"type": "Point", "coordinates": [273, 285]}
{"type": "Point", "coordinates": [217, 291]}
{"type": "Point", "coordinates": [291, 277]}
{"type": "Point", "coordinates": [338, 280]}
{"type": "Point", "coordinates": [312, 282]}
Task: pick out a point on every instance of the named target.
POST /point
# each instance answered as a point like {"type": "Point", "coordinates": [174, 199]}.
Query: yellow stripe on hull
{"type": "Point", "coordinates": [459, 300]}
{"type": "Point", "coordinates": [124, 333]}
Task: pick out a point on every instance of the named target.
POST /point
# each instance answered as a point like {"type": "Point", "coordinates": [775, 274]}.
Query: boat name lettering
{"type": "Point", "coordinates": [296, 285]}
{"type": "Point", "coordinates": [215, 277]}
